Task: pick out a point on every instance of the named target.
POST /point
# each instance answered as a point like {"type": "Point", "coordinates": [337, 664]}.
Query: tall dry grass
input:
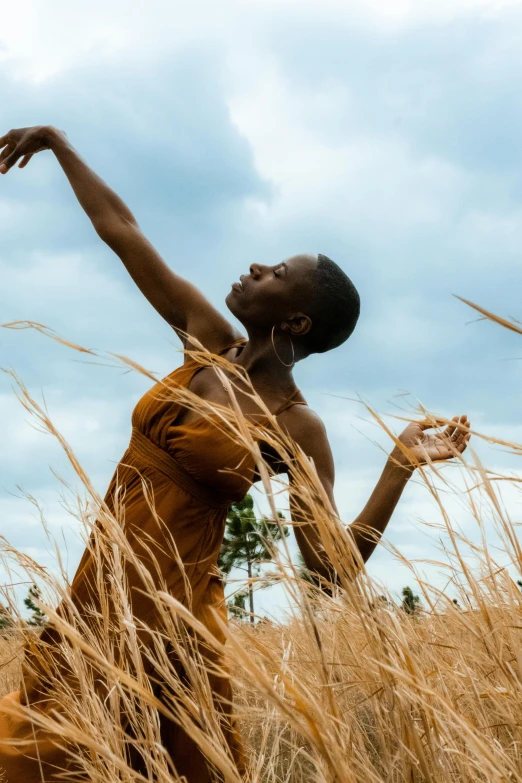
{"type": "Point", "coordinates": [347, 689]}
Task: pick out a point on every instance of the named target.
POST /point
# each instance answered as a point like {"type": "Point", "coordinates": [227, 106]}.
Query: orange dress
{"type": "Point", "coordinates": [186, 467]}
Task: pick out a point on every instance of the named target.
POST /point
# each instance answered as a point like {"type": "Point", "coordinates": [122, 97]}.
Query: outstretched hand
{"type": "Point", "coordinates": [423, 447]}
{"type": "Point", "coordinates": [21, 144]}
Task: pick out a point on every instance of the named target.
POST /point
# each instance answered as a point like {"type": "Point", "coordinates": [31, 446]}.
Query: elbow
{"type": "Point", "coordinates": [113, 230]}
{"type": "Point", "coordinates": [102, 231]}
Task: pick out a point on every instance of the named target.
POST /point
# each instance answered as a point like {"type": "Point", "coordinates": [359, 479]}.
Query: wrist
{"type": "Point", "coordinates": [52, 137]}
{"type": "Point", "coordinates": [400, 461]}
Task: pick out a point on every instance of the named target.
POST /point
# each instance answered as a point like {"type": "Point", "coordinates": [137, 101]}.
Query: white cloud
{"type": "Point", "coordinates": [400, 12]}
{"type": "Point", "coordinates": [418, 220]}
{"type": "Point", "coordinates": [43, 37]}
{"type": "Point", "coordinates": [353, 180]}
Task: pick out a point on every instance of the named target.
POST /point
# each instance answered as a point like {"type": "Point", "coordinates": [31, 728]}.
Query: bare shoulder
{"type": "Point", "coordinates": [307, 429]}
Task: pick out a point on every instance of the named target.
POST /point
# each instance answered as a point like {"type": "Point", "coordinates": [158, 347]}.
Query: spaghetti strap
{"type": "Point", "coordinates": [235, 344]}
{"type": "Point", "coordinates": [288, 403]}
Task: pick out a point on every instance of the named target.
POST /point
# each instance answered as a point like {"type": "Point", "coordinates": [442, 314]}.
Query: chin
{"type": "Point", "coordinates": [233, 305]}
{"type": "Point", "coordinates": [229, 301]}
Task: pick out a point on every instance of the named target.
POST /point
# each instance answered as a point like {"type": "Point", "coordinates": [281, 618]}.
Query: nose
{"type": "Point", "coordinates": [256, 271]}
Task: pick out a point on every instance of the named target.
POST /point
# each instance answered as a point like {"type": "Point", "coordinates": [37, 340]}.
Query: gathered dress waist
{"type": "Point", "coordinates": [158, 458]}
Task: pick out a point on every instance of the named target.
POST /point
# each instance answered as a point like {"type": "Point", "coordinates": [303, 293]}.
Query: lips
{"type": "Point", "coordinates": [239, 286]}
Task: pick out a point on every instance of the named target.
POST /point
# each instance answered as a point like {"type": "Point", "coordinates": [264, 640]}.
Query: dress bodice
{"type": "Point", "coordinates": [205, 447]}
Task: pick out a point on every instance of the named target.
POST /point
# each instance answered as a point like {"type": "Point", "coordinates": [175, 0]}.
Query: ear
{"type": "Point", "coordinates": [298, 325]}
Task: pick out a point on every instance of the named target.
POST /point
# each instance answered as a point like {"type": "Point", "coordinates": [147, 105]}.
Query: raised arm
{"type": "Point", "coordinates": [179, 302]}
{"type": "Point", "coordinates": [418, 447]}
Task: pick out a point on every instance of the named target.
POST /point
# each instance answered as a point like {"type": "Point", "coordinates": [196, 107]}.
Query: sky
{"type": "Point", "coordinates": [386, 135]}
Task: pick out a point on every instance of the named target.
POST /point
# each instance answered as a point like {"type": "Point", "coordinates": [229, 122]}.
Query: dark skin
{"type": "Point", "coordinates": [270, 301]}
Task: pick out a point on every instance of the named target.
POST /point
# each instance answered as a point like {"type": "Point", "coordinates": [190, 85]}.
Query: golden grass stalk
{"type": "Point", "coordinates": [346, 688]}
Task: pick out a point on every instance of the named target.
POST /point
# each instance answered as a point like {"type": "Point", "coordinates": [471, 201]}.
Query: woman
{"type": "Point", "coordinates": [289, 310]}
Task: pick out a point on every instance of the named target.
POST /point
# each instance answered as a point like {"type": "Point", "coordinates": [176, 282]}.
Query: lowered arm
{"type": "Point", "coordinates": [415, 446]}
{"type": "Point", "coordinates": [307, 429]}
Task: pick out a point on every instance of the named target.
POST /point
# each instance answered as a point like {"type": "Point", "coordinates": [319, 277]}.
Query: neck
{"type": "Point", "coordinates": [262, 364]}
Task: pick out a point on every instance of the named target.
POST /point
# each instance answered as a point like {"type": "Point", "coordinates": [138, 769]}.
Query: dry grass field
{"type": "Point", "coordinates": [372, 698]}
{"type": "Point", "coordinates": [349, 689]}
{"type": "Point", "coordinates": [10, 660]}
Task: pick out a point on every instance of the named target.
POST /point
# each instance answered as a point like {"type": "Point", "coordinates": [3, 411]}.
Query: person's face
{"type": "Point", "coordinates": [271, 295]}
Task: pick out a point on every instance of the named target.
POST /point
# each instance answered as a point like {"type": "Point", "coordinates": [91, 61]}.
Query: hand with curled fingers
{"type": "Point", "coordinates": [418, 447]}
{"type": "Point", "coordinates": [22, 143]}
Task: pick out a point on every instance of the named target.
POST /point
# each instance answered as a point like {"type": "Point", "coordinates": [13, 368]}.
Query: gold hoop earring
{"type": "Point", "coordinates": [275, 350]}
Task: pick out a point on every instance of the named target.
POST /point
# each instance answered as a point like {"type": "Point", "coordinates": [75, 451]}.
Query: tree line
{"type": "Point", "coordinates": [248, 544]}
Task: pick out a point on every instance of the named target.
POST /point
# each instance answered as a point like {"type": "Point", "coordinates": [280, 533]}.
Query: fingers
{"type": "Point", "coordinates": [462, 431]}
{"type": "Point", "coordinates": [455, 430]}
{"type": "Point", "coordinates": [461, 435]}
{"type": "Point", "coordinates": [5, 158]}
{"type": "Point", "coordinates": [462, 444]}
{"type": "Point", "coordinates": [8, 149]}
{"type": "Point", "coordinates": [19, 146]}
{"type": "Point", "coordinates": [461, 448]}
{"type": "Point", "coordinates": [9, 161]}
{"type": "Point", "coordinates": [451, 429]}
{"type": "Point", "coordinates": [25, 160]}
{"type": "Point", "coordinates": [455, 437]}
{"type": "Point", "coordinates": [428, 424]}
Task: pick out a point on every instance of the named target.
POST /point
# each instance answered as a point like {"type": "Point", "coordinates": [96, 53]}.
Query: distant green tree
{"type": "Point", "coordinates": [38, 618]}
{"type": "Point", "coordinates": [236, 606]}
{"type": "Point", "coordinates": [247, 543]}
{"type": "Point", "coordinates": [410, 602]}
{"type": "Point", "coordinates": [519, 583]}
{"type": "Point", "coordinates": [6, 618]}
